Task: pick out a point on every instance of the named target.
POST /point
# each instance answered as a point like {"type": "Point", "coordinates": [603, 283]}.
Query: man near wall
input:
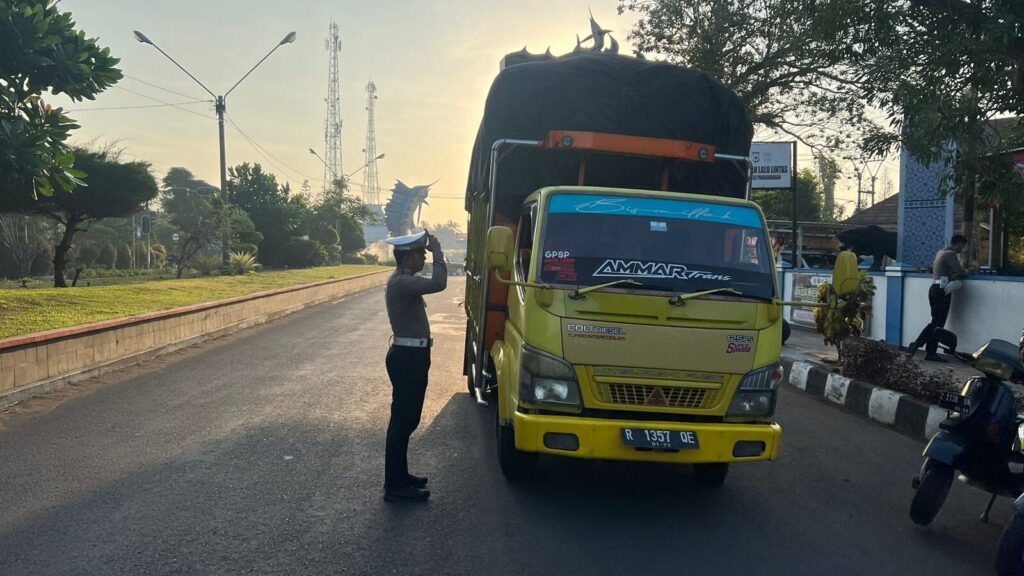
{"type": "Point", "coordinates": [947, 276]}
{"type": "Point", "coordinates": [408, 359]}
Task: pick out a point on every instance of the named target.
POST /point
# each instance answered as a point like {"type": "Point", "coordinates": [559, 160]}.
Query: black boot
{"type": "Point", "coordinates": [912, 349]}
{"type": "Point", "coordinates": [417, 481]}
{"type": "Point", "coordinates": [406, 494]}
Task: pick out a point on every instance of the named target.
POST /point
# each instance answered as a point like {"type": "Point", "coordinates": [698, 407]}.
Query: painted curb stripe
{"type": "Point", "coordinates": [883, 404]}
{"type": "Point", "coordinates": [798, 375]}
{"type": "Point", "coordinates": [935, 416]}
{"type": "Point", "coordinates": [836, 387]}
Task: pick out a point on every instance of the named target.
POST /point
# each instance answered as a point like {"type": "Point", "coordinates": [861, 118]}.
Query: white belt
{"type": "Point", "coordinates": [413, 342]}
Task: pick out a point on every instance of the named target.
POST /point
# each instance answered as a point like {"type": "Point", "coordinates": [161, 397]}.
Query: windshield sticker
{"type": "Point", "coordinates": [659, 226]}
{"type": "Point", "coordinates": [614, 268]}
{"type": "Point", "coordinates": [657, 208]}
{"type": "Point", "coordinates": [563, 268]}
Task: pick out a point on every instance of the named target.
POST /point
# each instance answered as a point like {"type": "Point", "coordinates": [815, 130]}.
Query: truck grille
{"type": "Point", "coordinates": [665, 396]}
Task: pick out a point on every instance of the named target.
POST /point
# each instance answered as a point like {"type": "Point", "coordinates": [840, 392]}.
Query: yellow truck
{"type": "Point", "coordinates": [622, 297]}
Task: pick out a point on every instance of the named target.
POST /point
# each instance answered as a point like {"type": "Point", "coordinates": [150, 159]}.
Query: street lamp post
{"type": "Point", "coordinates": [350, 174]}
{"type": "Point", "coordinates": [220, 105]}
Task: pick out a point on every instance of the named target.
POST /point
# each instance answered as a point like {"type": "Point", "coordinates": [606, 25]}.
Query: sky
{"type": "Point", "coordinates": [431, 60]}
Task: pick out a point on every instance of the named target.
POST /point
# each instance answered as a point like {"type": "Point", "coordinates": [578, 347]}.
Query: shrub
{"type": "Point", "coordinates": [353, 259]}
{"type": "Point", "coordinates": [242, 263]}
{"type": "Point", "coordinates": [158, 255]}
{"type": "Point", "coordinates": [841, 317]}
{"type": "Point", "coordinates": [124, 257]}
{"type": "Point", "coordinates": [207, 265]}
{"type": "Point", "coordinates": [880, 364]}
{"type": "Point", "coordinates": [300, 253]}
{"type": "Point", "coordinates": [42, 264]}
{"type": "Point", "coordinates": [87, 255]}
{"type": "Point", "coordinates": [107, 257]}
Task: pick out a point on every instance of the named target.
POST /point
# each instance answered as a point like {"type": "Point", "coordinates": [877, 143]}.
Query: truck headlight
{"type": "Point", "coordinates": [755, 395]}
{"type": "Point", "coordinates": [546, 379]}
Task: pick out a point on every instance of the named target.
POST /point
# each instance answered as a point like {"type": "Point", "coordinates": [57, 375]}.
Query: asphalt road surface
{"type": "Point", "coordinates": [262, 453]}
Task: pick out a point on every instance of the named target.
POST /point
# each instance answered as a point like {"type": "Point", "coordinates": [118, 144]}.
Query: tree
{"type": "Point", "coordinates": [198, 216]}
{"type": "Point", "coordinates": [787, 59]}
{"type": "Point", "coordinates": [43, 52]}
{"type": "Point", "coordinates": [943, 70]}
{"type": "Point", "coordinates": [778, 204]}
{"type": "Point", "coordinates": [20, 234]}
{"type": "Point", "coordinates": [258, 194]}
{"type": "Point", "coordinates": [345, 214]}
{"type": "Point", "coordinates": [115, 188]}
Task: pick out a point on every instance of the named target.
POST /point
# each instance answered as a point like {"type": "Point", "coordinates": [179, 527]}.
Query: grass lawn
{"type": "Point", "coordinates": [28, 310]}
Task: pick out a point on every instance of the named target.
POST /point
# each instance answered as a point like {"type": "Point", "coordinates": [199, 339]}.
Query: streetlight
{"type": "Point", "coordinates": [349, 175]}
{"type": "Point", "coordinates": [220, 103]}
{"type": "Point", "coordinates": [357, 170]}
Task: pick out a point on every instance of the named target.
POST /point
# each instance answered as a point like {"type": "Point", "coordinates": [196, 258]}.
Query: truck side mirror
{"type": "Point", "coordinates": [500, 243]}
{"type": "Point", "coordinates": [845, 275]}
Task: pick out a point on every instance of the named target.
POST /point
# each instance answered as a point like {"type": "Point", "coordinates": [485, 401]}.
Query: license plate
{"type": "Point", "coordinates": [652, 438]}
{"type": "Point", "coordinates": [955, 402]}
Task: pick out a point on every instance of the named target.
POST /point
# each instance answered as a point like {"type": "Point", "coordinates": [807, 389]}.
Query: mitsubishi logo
{"type": "Point", "coordinates": [656, 398]}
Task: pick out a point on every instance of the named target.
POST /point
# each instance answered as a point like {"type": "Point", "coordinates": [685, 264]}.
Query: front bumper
{"type": "Point", "coordinates": [602, 439]}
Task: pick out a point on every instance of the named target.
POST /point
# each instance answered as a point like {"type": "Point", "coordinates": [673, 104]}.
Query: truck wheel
{"type": "Point", "coordinates": [1010, 558]}
{"type": "Point", "coordinates": [516, 466]}
{"type": "Point", "coordinates": [931, 492]}
{"type": "Point", "coordinates": [711, 475]}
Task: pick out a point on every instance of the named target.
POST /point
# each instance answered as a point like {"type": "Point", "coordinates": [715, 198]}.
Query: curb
{"type": "Point", "coordinates": [904, 413]}
{"type": "Point", "coordinates": [20, 394]}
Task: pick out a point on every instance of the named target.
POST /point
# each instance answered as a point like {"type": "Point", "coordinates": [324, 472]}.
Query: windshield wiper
{"type": "Point", "coordinates": [680, 299]}
{"type": "Point", "coordinates": [580, 294]}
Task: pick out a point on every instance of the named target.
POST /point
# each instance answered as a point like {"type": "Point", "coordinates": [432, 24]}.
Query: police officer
{"type": "Point", "coordinates": [408, 359]}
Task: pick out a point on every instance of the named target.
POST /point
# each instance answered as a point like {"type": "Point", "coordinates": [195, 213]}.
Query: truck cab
{"type": "Point", "coordinates": [641, 325]}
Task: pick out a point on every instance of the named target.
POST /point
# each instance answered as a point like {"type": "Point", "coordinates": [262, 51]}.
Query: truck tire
{"type": "Point", "coordinates": [711, 475]}
{"type": "Point", "coordinates": [936, 478]}
{"type": "Point", "coordinates": [1010, 557]}
{"type": "Point", "coordinates": [516, 465]}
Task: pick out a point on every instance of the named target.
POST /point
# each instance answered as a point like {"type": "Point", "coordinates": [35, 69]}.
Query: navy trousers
{"type": "Point", "coordinates": [407, 368]}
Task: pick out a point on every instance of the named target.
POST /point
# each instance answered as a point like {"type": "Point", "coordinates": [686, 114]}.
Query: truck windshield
{"type": "Point", "coordinates": [670, 245]}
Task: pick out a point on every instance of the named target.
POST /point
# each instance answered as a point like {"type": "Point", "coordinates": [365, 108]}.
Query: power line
{"type": "Point", "coordinates": [158, 87]}
{"type": "Point", "coordinates": [175, 106]}
{"type": "Point", "coordinates": [266, 153]}
{"type": "Point", "coordinates": [136, 107]}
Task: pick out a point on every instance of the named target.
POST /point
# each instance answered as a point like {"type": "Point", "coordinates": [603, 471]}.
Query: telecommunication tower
{"type": "Point", "coordinates": [371, 185]}
{"type": "Point", "coordinates": [332, 126]}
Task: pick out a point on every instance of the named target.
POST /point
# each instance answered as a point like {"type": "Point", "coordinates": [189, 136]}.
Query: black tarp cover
{"type": "Point", "coordinates": [600, 92]}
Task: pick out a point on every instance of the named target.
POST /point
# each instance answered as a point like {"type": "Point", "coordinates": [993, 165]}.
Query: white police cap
{"type": "Point", "coordinates": [411, 242]}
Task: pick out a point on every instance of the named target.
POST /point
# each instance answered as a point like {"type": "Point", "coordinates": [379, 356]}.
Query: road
{"type": "Point", "coordinates": [261, 453]}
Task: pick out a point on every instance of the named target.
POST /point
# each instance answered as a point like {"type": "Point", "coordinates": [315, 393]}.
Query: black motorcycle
{"type": "Point", "coordinates": [1010, 558]}
{"type": "Point", "coordinates": [977, 439]}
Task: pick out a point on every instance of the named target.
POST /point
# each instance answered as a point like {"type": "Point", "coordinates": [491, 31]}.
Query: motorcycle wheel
{"type": "Point", "coordinates": [931, 493]}
{"type": "Point", "coordinates": [1010, 558]}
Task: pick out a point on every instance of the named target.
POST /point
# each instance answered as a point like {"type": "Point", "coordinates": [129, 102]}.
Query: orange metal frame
{"type": "Point", "coordinates": [632, 145]}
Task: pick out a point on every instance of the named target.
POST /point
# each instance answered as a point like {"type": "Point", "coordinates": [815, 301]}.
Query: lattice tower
{"type": "Point", "coordinates": [332, 125]}
{"type": "Point", "coordinates": [371, 185]}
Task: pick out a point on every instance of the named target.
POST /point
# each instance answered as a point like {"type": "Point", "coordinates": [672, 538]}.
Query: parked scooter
{"type": "Point", "coordinates": [1010, 558]}
{"type": "Point", "coordinates": [977, 439]}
